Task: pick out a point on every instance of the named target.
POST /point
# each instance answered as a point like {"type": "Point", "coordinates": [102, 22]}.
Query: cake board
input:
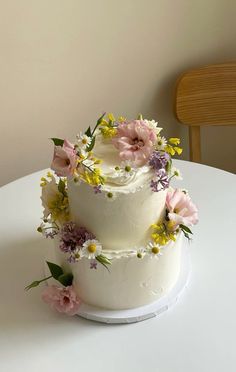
{"type": "Point", "coordinates": [143, 312]}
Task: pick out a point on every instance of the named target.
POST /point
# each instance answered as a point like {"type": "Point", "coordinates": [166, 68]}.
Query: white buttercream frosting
{"type": "Point", "coordinates": [130, 281]}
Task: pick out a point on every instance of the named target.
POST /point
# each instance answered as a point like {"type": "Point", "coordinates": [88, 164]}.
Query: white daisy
{"type": "Point", "coordinates": [141, 252]}
{"type": "Point", "coordinates": [83, 141]}
{"type": "Point", "coordinates": [91, 248]}
{"type": "Point", "coordinates": [127, 167]}
{"type": "Point", "coordinates": [176, 173]}
{"type": "Point", "coordinates": [76, 255]}
{"type": "Point", "coordinates": [161, 143]}
{"type": "Point", "coordinates": [153, 125]}
{"type": "Point", "coordinates": [154, 250]}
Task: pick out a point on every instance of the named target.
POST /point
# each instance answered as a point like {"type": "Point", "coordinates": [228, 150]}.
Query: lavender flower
{"type": "Point", "coordinates": [73, 236]}
{"type": "Point", "coordinates": [93, 264]}
{"type": "Point", "coordinates": [97, 189]}
{"type": "Point", "coordinates": [158, 160]}
{"type": "Point", "coordinates": [162, 181]}
{"type": "Point", "coordinates": [51, 234]}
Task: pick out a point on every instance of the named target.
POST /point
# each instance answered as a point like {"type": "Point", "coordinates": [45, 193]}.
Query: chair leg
{"type": "Point", "coordinates": [195, 144]}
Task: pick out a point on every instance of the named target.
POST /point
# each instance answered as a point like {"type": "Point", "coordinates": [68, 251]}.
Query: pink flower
{"type": "Point", "coordinates": [181, 209]}
{"type": "Point", "coordinates": [135, 141]}
{"type": "Point", "coordinates": [64, 300]}
{"type": "Point", "coordinates": [64, 159]}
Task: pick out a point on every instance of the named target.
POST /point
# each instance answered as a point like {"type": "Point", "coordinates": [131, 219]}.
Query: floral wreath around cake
{"type": "Point", "coordinates": [139, 143]}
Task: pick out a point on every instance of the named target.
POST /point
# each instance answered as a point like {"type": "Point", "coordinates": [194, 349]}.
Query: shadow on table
{"type": "Point", "coordinates": [22, 262]}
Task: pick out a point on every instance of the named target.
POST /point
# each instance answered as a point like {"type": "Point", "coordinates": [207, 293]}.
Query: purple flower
{"type": "Point", "coordinates": [158, 160]}
{"type": "Point", "coordinates": [73, 236]}
{"type": "Point", "coordinates": [51, 234]}
{"type": "Point", "coordinates": [161, 182]}
{"type": "Point", "coordinates": [93, 264]}
{"type": "Point", "coordinates": [97, 189]}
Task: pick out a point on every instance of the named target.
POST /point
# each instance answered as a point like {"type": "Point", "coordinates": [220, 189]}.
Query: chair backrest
{"type": "Point", "coordinates": [206, 96]}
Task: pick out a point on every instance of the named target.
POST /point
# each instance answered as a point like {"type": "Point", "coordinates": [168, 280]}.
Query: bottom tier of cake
{"type": "Point", "coordinates": [130, 281]}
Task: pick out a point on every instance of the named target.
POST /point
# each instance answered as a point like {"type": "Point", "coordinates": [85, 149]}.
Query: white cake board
{"type": "Point", "coordinates": [143, 312]}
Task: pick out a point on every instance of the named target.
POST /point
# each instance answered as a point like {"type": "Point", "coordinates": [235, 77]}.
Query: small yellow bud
{"type": "Point", "coordinates": [111, 117]}
{"type": "Point", "coordinates": [98, 161]}
{"type": "Point", "coordinates": [121, 119]}
{"type": "Point", "coordinates": [127, 168]}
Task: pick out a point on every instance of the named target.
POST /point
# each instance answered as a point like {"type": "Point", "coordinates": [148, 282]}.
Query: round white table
{"type": "Point", "coordinates": [196, 334]}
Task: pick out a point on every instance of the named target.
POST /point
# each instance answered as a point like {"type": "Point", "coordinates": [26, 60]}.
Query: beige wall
{"type": "Point", "coordinates": [63, 62]}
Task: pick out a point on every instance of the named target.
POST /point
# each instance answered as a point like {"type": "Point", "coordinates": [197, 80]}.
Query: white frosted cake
{"type": "Point", "coordinates": [117, 224]}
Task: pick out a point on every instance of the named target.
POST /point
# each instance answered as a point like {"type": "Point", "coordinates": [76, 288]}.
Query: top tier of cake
{"type": "Point", "coordinates": [120, 216]}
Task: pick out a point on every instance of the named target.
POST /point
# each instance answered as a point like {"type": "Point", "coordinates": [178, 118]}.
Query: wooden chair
{"type": "Point", "coordinates": [206, 96]}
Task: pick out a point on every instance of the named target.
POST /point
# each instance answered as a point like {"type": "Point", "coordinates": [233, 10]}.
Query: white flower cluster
{"type": "Point", "coordinates": [152, 249]}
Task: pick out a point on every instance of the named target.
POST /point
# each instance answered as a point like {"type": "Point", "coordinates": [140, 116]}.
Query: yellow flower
{"type": "Point", "coordinates": [172, 150]}
{"type": "Point", "coordinates": [111, 117]}
{"type": "Point", "coordinates": [179, 150]}
{"type": "Point", "coordinates": [54, 201]}
{"type": "Point", "coordinates": [163, 233]}
{"type": "Point", "coordinates": [121, 119]}
{"type": "Point", "coordinates": [93, 176]}
{"type": "Point", "coordinates": [170, 225]}
{"type": "Point", "coordinates": [174, 141]}
{"type": "Point", "coordinates": [108, 132]}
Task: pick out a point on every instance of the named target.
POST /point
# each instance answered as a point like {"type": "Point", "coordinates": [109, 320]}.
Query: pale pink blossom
{"type": "Point", "coordinates": [62, 299]}
{"type": "Point", "coordinates": [135, 141]}
{"type": "Point", "coordinates": [181, 209]}
{"type": "Point", "coordinates": [64, 159]}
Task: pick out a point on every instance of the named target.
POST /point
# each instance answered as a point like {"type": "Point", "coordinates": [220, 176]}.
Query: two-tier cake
{"type": "Point", "coordinates": [116, 223]}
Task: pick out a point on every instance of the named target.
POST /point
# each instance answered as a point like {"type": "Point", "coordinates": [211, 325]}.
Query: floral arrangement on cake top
{"type": "Point", "coordinates": [139, 145]}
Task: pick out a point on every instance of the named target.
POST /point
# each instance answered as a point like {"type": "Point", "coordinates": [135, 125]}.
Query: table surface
{"type": "Point", "coordinates": [196, 334]}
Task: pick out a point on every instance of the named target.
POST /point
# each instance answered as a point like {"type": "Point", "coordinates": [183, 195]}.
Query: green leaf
{"type": "Point", "coordinates": [33, 284]}
{"type": "Point", "coordinates": [62, 187]}
{"type": "Point", "coordinates": [65, 279]}
{"type": "Point", "coordinates": [55, 270]}
{"type": "Point", "coordinates": [186, 235]}
{"type": "Point", "coordinates": [88, 132]}
{"type": "Point", "coordinates": [98, 123]}
{"type": "Point", "coordinates": [100, 119]}
{"type": "Point", "coordinates": [36, 283]}
{"type": "Point", "coordinates": [91, 145]}
{"type": "Point", "coordinates": [186, 229]}
{"type": "Point", "coordinates": [168, 166]}
{"type": "Point", "coordinates": [103, 260]}
{"type": "Point", "coordinates": [57, 141]}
